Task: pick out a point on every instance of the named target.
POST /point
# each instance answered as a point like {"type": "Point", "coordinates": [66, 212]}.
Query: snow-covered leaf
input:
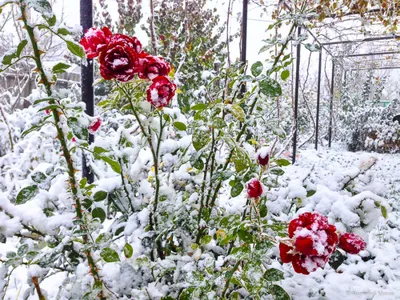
{"type": "Point", "coordinates": [26, 194]}
{"type": "Point", "coordinates": [109, 255]}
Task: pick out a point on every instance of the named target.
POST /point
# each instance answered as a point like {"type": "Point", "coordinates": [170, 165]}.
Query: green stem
{"type": "Point", "coordinates": [61, 138]}
{"type": "Point", "coordinates": [155, 153]}
{"type": "Point", "coordinates": [228, 280]}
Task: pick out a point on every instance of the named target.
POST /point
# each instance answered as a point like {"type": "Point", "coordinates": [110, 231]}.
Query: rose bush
{"type": "Point", "coordinates": [184, 204]}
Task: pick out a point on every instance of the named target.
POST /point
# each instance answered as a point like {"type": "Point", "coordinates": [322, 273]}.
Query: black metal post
{"type": "Point", "coordinates": [296, 95]}
{"type": "Point", "coordinates": [243, 50]}
{"type": "Point", "coordinates": [87, 78]}
{"type": "Point", "coordinates": [331, 103]}
{"type": "Point", "coordinates": [318, 99]}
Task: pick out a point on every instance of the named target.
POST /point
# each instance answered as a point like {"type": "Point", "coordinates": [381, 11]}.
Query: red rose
{"type": "Point", "coordinates": [160, 92]}
{"type": "Point", "coordinates": [95, 40]}
{"type": "Point", "coordinates": [118, 61]}
{"type": "Point", "coordinates": [95, 125]}
{"type": "Point", "coordinates": [153, 66]}
{"type": "Point", "coordinates": [254, 188]}
{"type": "Point", "coordinates": [312, 242]}
{"type": "Point", "coordinates": [132, 42]}
{"type": "Point", "coordinates": [351, 243]}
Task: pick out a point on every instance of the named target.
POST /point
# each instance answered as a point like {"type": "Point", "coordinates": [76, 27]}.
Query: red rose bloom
{"type": "Point", "coordinates": [95, 125]}
{"type": "Point", "coordinates": [351, 243]}
{"type": "Point", "coordinates": [254, 188]}
{"type": "Point", "coordinates": [118, 61]}
{"type": "Point", "coordinates": [160, 92]}
{"type": "Point", "coordinates": [132, 42]}
{"type": "Point", "coordinates": [95, 40]}
{"type": "Point", "coordinates": [312, 242]}
{"type": "Point", "coordinates": [152, 66]}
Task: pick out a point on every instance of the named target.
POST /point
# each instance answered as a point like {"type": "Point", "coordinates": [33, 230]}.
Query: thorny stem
{"type": "Point", "coordinates": [155, 153]}
{"type": "Point", "coordinates": [61, 138]}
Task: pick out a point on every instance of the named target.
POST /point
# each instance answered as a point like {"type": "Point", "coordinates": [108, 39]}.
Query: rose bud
{"type": "Point", "coordinates": [160, 92]}
{"type": "Point", "coordinates": [263, 156]}
{"type": "Point", "coordinates": [95, 125]}
{"type": "Point", "coordinates": [118, 61]}
{"type": "Point", "coordinates": [151, 66]}
{"type": "Point", "coordinates": [351, 243]}
{"type": "Point", "coordinates": [95, 40]}
{"type": "Point", "coordinates": [254, 188]}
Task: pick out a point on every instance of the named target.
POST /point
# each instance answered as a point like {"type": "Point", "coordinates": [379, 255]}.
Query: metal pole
{"type": "Point", "coordinates": [87, 78]}
{"type": "Point", "coordinates": [318, 99]}
{"type": "Point", "coordinates": [296, 95]}
{"type": "Point", "coordinates": [243, 50]}
{"type": "Point", "coordinates": [331, 103]}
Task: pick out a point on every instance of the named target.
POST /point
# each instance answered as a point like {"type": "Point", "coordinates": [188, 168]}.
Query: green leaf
{"type": "Point", "coordinates": [198, 164]}
{"type": "Point", "coordinates": [218, 123]}
{"type": "Point", "coordinates": [311, 193]}
{"type": "Point", "coordinates": [263, 211]}
{"type": "Point", "coordinates": [26, 194]}
{"type": "Point", "coordinates": [80, 131]}
{"type": "Point", "coordinates": [273, 275]}
{"type": "Point", "coordinates": [277, 171]}
{"type": "Point", "coordinates": [278, 292]}
{"type": "Point", "coordinates": [52, 20]}
{"type": "Point", "coordinates": [270, 87]}
{"type": "Point", "coordinates": [63, 31]}
{"type": "Point", "coordinates": [50, 107]}
{"type": "Point", "coordinates": [99, 150]}
{"type": "Point", "coordinates": [245, 236]}
{"type": "Point", "coordinates": [42, 100]}
{"type": "Point", "coordinates": [187, 294]}
{"type": "Point", "coordinates": [38, 177]}
{"type": "Point", "coordinates": [282, 162]}
{"type": "Point", "coordinates": [113, 164]}
{"type": "Point", "coordinates": [240, 159]}
{"type": "Point", "coordinates": [60, 68]}
{"type": "Point", "coordinates": [205, 239]}
{"type": "Point", "coordinates": [128, 250]}
{"type": "Point", "coordinates": [7, 59]}
{"type": "Point", "coordinates": [200, 106]}
{"type": "Point", "coordinates": [336, 259]}
{"type": "Point", "coordinates": [285, 74]}
{"type": "Point", "coordinates": [98, 212]}
{"type": "Point", "coordinates": [236, 189]}
{"type": "Point", "coordinates": [238, 112]}
{"type": "Point", "coordinates": [109, 255]}
{"type": "Point", "coordinates": [22, 250]}
{"type": "Point", "coordinates": [180, 126]}
{"type": "Point", "coordinates": [75, 49]}
{"type": "Point", "coordinates": [100, 195]}
{"type": "Point", "coordinates": [200, 139]}
{"type": "Point", "coordinates": [82, 182]}
{"type": "Point", "coordinates": [384, 211]}
{"type": "Point", "coordinates": [257, 68]}
{"type": "Point", "coordinates": [21, 47]}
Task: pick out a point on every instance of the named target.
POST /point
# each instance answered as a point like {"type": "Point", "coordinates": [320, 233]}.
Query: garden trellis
{"type": "Point", "coordinates": [331, 39]}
